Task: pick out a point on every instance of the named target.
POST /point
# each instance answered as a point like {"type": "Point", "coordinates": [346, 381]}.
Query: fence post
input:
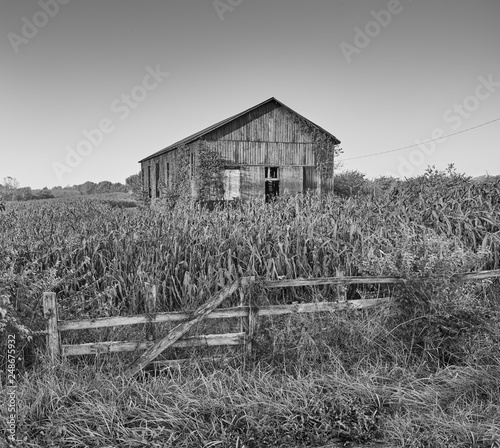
{"type": "Point", "coordinates": [150, 306]}
{"type": "Point", "coordinates": [341, 288]}
{"type": "Point", "coordinates": [50, 313]}
{"type": "Point", "coordinates": [251, 326]}
{"type": "Point", "coordinates": [243, 320]}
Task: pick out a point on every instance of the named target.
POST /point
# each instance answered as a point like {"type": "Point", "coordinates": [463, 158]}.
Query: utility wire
{"type": "Point", "coordinates": [426, 141]}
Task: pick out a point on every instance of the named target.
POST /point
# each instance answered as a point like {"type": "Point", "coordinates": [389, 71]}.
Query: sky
{"type": "Point", "coordinates": [90, 87]}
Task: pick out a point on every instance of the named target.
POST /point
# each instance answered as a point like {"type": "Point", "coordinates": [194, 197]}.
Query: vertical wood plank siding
{"type": "Point", "coordinates": [291, 180]}
{"type": "Point", "coordinates": [264, 153]}
{"type": "Point", "coordinates": [252, 182]}
{"type": "Point", "coordinates": [269, 123]}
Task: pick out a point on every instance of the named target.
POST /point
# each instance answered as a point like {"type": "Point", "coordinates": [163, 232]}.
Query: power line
{"type": "Point", "coordinates": [427, 141]}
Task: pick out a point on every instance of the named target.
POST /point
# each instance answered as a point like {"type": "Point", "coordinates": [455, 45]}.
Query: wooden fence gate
{"type": "Point", "coordinates": [249, 313]}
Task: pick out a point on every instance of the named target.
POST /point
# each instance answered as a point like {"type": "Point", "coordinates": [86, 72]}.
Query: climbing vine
{"type": "Point", "coordinates": [325, 147]}
{"type": "Point", "coordinates": [209, 172]}
{"type": "Point", "coordinates": [178, 186]}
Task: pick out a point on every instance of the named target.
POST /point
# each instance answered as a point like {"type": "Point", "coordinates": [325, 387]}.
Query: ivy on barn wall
{"type": "Point", "coordinates": [209, 171]}
{"type": "Point", "coordinates": [325, 147]}
{"type": "Point", "coordinates": [178, 185]}
{"type": "Point", "coordinates": [208, 175]}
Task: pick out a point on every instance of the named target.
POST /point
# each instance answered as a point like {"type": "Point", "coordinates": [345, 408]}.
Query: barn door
{"type": "Point", "coordinates": [291, 180]}
{"type": "Point", "coordinates": [309, 179]}
{"type": "Point", "coordinates": [272, 183]}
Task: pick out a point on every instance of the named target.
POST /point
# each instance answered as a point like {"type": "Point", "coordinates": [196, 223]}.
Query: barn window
{"type": "Point", "coordinates": [167, 176]}
{"type": "Point", "coordinates": [231, 181]}
{"type": "Point", "coordinates": [192, 164]}
{"type": "Point", "coordinates": [272, 182]}
{"type": "Point", "coordinates": [149, 181]}
{"type": "Point", "coordinates": [157, 179]}
{"type": "Point", "coordinates": [271, 172]}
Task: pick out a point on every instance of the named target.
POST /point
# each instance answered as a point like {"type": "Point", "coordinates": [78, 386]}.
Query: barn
{"type": "Point", "coordinates": [265, 151]}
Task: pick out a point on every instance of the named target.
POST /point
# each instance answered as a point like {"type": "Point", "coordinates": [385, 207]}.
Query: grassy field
{"type": "Point", "coordinates": [423, 372]}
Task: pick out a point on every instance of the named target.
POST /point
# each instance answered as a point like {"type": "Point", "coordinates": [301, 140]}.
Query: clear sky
{"type": "Point", "coordinates": [89, 87]}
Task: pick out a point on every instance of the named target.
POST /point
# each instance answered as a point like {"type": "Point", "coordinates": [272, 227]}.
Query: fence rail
{"type": "Point", "coordinates": [247, 313]}
{"type": "Point", "coordinates": [208, 340]}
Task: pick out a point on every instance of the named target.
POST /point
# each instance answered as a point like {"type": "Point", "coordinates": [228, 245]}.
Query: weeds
{"type": "Point", "coordinates": [421, 373]}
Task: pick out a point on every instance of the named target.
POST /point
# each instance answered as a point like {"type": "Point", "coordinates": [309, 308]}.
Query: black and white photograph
{"type": "Point", "coordinates": [250, 223]}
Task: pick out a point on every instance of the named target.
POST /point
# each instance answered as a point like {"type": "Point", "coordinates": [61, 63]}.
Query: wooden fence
{"type": "Point", "coordinates": [248, 314]}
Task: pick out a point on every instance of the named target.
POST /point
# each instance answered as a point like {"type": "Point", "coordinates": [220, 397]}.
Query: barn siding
{"type": "Point", "coordinates": [291, 180]}
{"type": "Point", "coordinates": [252, 182]}
{"type": "Point", "coordinates": [263, 153]}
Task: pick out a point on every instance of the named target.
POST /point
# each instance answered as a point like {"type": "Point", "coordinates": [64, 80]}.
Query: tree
{"type": "Point", "coordinates": [10, 185]}
{"type": "Point", "coordinates": [86, 188]}
{"type": "Point", "coordinates": [22, 194]}
{"type": "Point", "coordinates": [134, 182]}
{"type": "Point", "coordinates": [350, 183]}
{"type": "Point", "coordinates": [103, 187]}
{"type": "Point", "coordinates": [44, 193]}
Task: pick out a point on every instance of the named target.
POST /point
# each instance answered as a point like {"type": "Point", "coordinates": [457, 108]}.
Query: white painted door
{"type": "Point", "coordinates": [231, 184]}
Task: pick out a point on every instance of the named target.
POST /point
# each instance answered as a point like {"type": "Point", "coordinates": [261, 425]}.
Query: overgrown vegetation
{"type": "Point", "coordinates": [209, 173]}
{"type": "Point", "coordinates": [179, 183]}
{"type": "Point", "coordinates": [325, 147]}
{"type": "Point", "coordinates": [421, 373]}
{"type": "Point", "coordinates": [205, 176]}
{"type": "Point", "coordinates": [350, 183]}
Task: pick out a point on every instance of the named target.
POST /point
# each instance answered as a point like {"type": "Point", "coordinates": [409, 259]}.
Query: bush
{"type": "Point", "coordinates": [350, 183]}
{"type": "Point", "coordinates": [438, 316]}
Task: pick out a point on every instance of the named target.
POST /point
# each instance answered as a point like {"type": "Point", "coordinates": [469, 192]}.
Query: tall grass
{"type": "Point", "coordinates": [421, 373]}
{"type": "Point", "coordinates": [344, 379]}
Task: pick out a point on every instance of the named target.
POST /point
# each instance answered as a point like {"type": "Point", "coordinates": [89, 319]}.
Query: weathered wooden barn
{"type": "Point", "coordinates": [265, 151]}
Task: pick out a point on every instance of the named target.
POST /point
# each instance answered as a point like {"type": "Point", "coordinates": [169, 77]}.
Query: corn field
{"type": "Point", "coordinates": [97, 258]}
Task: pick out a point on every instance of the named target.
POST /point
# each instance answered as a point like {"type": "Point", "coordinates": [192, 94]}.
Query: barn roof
{"type": "Point", "coordinates": [205, 131]}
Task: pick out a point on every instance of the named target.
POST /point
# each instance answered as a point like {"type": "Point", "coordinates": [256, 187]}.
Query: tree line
{"type": "Point", "coordinates": [10, 190]}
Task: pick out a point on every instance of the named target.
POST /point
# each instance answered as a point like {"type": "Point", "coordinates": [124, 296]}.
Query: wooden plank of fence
{"type": "Point", "coordinates": [331, 281]}
{"type": "Point", "coordinates": [167, 363]}
{"type": "Point", "coordinates": [482, 275]}
{"type": "Point", "coordinates": [173, 316]}
{"type": "Point", "coordinates": [207, 340]}
{"type": "Point", "coordinates": [276, 310]}
{"type": "Point", "coordinates": [181, 329]}
{"type": "Point", "coordinates": [374, 280]}
{"type": "Point", "coordinates": [50, 313]}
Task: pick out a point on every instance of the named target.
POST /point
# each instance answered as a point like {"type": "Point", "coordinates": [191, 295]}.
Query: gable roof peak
{"type": "Point", "coordinates": [199, 134]}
